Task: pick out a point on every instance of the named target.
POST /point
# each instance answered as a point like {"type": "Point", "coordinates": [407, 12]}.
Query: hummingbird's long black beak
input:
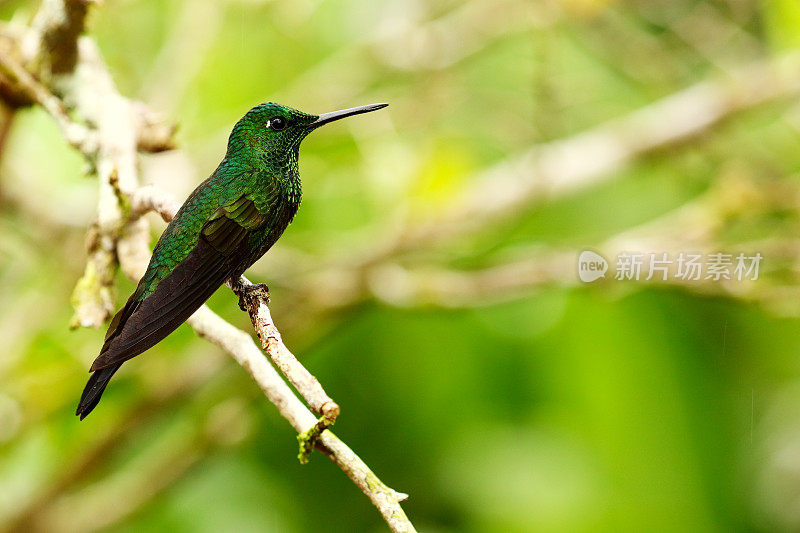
{"type": "Point", "coordinates": [336, 115]}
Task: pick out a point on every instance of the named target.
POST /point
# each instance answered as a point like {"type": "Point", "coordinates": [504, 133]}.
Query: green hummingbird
{"type": "Point", "coordinates": [226, 224]}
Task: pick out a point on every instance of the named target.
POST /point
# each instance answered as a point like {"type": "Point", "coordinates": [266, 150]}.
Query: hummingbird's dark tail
{"type": "Point", "coordinates": [94, 390]}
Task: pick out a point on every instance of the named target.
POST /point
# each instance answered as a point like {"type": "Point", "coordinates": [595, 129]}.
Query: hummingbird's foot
{"type": "Point", "coordinates": [253, 291]}
{"type": "Point", "coordinates": [308, 438]}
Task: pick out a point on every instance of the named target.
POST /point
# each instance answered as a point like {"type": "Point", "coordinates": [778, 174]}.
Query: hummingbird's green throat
{"type": "Point", "coordinates": [226, 224]}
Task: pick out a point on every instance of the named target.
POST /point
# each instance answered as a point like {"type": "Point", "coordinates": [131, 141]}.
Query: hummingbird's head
{"type": "Point", "coordinates": [274, 130]}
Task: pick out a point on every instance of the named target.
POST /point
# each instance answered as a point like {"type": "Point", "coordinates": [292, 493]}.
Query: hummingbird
{"type": "Point", "coordinates": [225, 225]}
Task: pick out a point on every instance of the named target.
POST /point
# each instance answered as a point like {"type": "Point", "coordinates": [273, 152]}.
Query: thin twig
{"type": "Point", "coordinates": [255, 303]}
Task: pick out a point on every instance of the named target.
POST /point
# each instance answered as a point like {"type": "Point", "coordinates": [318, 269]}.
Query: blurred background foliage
{"type": "Point", "coordinates": [555, 407]}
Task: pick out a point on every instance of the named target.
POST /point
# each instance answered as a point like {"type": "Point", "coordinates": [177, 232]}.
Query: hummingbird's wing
{"type": "Point", "coordinates": [143, 322]}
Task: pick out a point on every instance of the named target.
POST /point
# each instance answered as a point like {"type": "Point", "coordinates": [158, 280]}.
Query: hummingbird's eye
{"type": "Point", "coordinates": [276, 123]}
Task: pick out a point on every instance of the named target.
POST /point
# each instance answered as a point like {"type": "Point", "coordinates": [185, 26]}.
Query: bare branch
{"type": "Point", "coordinates": [241, 346]}
{"type": "Point", "coordinates": [384, 498]}
{"type": "Point", "coordinates": [255, 303]}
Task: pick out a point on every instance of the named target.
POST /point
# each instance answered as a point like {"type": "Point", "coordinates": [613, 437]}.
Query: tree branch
{"type": "Point", "coordinates": [255, 303]}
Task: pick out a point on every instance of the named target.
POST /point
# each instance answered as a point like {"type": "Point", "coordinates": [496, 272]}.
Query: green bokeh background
{"type": "Point", "coordinates": [567, 408]}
